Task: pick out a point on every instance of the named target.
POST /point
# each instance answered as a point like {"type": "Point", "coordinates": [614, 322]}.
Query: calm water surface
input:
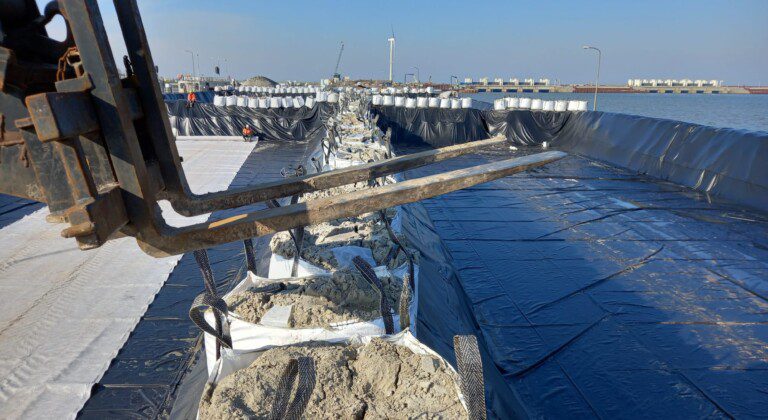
{"type": "Point", "coordinates": [748, 112]}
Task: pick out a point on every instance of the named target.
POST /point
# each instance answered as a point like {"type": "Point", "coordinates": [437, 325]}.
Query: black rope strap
{"type": "Point", "coordinates": [399, 245]}
{"type": "Point", "coordinates": [405, 303]}
{"type": "Point", "coordinates": [386, 312]}
{"type": "Point", "coordinates": [304, 368]}
{"type": "Point", "coordinates": [210, 299]}
{"type": "Point", "coordinates": [470, 374]}
{"type": "Point", "coordinates": [250, 255]}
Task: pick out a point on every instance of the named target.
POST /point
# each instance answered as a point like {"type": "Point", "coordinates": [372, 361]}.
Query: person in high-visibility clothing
{"type": "Point", "coordinates": [247, 133]}
{"type": "Point", "coordinates": [191, 99]}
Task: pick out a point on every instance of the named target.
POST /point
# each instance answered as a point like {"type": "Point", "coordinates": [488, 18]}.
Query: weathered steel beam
{"type": "Point", "coordinates": [207, 203]}
{"type": "Point", "coordinates": [263, 222]}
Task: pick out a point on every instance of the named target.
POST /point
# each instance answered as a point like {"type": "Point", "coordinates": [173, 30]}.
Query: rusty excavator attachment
{"type": "Point", "coordinates": [99, 151]}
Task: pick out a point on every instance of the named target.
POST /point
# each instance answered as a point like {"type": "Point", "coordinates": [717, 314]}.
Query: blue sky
{"type": "Point", "coordinates": [299, 40]}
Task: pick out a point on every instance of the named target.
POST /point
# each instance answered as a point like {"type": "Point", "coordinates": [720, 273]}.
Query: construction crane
{"type": "Point", "coordinates": [98, 149]}
{"type": "Point", "coordinates": [336, 75]}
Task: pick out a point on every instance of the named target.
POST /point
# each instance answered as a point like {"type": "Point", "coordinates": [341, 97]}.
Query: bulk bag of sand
{"type": "Point", "coordinates": [394, 376]}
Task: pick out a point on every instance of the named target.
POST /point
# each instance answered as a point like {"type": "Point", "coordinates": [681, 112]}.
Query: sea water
{"type": "Point", "coordinates": [747, 112]}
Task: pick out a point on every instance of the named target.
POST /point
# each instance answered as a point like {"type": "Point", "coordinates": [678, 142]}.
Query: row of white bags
{"type": "Point", "coordinates": [421, 102]}
{"type": "Point", "coordinates": [536, 104]}
{"type": "Point", "coordinates": [405, 89]}
{"type": "Point", "coordinates": [275, 101]}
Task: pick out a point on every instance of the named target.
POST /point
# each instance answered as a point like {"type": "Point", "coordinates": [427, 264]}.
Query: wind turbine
{"type": "Point", "coordinates": [391, 53]}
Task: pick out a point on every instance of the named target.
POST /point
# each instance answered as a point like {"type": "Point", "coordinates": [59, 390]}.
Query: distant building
{"type": "Point", "coordinates": [674, 82]}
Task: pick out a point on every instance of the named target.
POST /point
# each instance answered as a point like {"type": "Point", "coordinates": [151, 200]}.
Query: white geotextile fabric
{"type": "Point", "coordinates": [65, 313]}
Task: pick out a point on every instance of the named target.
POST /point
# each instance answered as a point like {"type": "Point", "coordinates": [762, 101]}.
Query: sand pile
{"type": "Point", "coordinates": [378, 380]}
{"type": "Point", "coordinates": [319, 301]}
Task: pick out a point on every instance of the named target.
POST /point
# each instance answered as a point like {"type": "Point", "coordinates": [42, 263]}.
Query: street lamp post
{"type": "Point", "coordinates": [193, 62]}
{"type": "Point", "coordinates": [597, 79]}
{"type": "Point", "coordinates": [418, 75]}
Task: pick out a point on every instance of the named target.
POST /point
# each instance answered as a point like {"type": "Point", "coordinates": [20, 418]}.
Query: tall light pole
{"type": "Point", "coordinates": [597, 79]}
{"type": "Point", "coordinates": [418, 75]}
{"type": "Point", "coordinates": [193, 62]}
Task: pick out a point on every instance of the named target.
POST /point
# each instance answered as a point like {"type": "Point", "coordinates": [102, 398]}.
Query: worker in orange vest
{"type": "Point", "coordinates": [247, 132]}
{"type": "Point", "coordinates": [191, 99]}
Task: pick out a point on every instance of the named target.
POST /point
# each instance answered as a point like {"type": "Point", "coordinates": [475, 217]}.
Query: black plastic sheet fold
{"type": "Point", "coordinates": [284, 124]}
{"type": "Point", "coordinates": [722, 162]}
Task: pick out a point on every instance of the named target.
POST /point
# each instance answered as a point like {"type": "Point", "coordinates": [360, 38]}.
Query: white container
{"type": "Point", "coordinates": [242, 101]}
{"type": "Point", "coordinates": [434, 102]}
{"type": "Point", "coordinates": [399, 101]}
{"type": "Point", "coordinates": [388, 100]}
{"type": "Point", "coordinates": [422, 102]}
{"type": "Point", "coordinates": [253, 102]}
{"type": "Point", "coordinates": [376, 100]}
{"type": "Point", "coordinates": [410, 103]}
{"type": "Point", "coordinates": [455, 103]}
{"type": "Point", "coordinates": [548, 106]}
{"type": "Point", "coordinates": [513, 103]}
{"type": "Point", "coordinates": [231, 100]}
{"type": "Point", "coordinates": [573, 105]}
{"type": "Point", "coordinates": [333, 97]}
{"type": "Point", "coordinates": [499, 104]}
{"type": "Point", "coordinates": [466, 102]}
{"type": "Point", "coordinates": [275, 102]}
{"type": "Point", "coordinates": [219, 101]}
{"type": "Point", "coordinates": [536, 104]}
{"type": "Point", "coordinates": [445, 103]}
{"type": "Point", "coordinates": [561, 106]}
{"type": "Point", "coordinates": [525, 103]}
{"type": "Point", "coordinates": [263, 102]}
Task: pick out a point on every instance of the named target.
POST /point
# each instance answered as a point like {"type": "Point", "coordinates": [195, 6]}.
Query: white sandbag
{"type": "Point", "coordinates": [376, 100]}
{"type": "Point", "coordinates": [298, 102]}
{"type": "Point", "coordinates": [445, 103]}
{"type": "Point", "coordinates": [410, 103]}
{"type": "Point", "coordinates": [561, 106]}
{"type": "Point", "coordinates": [275, 102]}
{"type": "Point", "coordinates": [525, 103]}
{"type": "Point", "coordinates": [455, 103]}
{"type": "Point", "coordinates": [400, 101]}
{"type": "Point", "coordinates": [333, 97]}
{"type": "Point", "coordinates": [513, 103]}
{"type": "Point", "coordinates": [422, 102]}
{"type": "Point", "coordinates": [430, 90]}
{"type": "Point", "coordinates": [310, 102]}
{"type": "Point", "coordinates": [219, 101]}
{"type": "Point", "coordinates": [253, 102]}
{"type": "Point", "coordinates": [264, 102]}
{"type": "Point", "coordinates": [573, 105]}
{"type": "Point", "coordinates": [434, 102]}
{"type": "Point", "coordinates": [231, 100]}
{"type": "Point", "coordinates": [499, 104]}
{"type": "Point", "coordinates": [466, 102]}
{"type": "Point", "coordinates": [548, 106]}
{"type": "Point", "coordinates": [536, 104]}
{"type": "Point", "coordinates": [582, 106]}
{"type": "Point", "coordinates": [388, 100]}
